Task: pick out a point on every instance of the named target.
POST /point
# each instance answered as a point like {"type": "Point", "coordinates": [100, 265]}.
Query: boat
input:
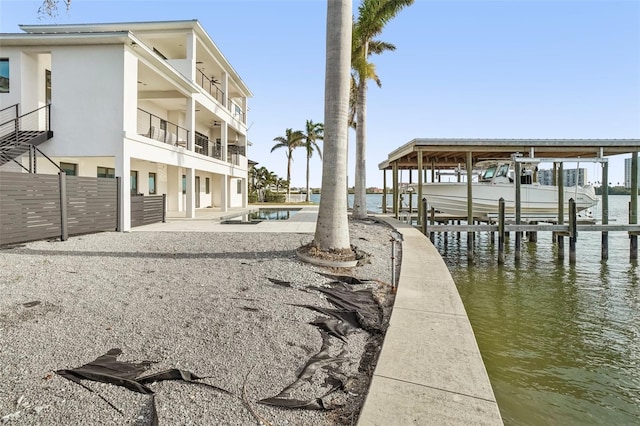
{"type": "Point", "coordinates": [495, 180]}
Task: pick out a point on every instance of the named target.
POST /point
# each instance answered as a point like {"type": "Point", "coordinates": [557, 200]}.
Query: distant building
{"type": "Point", "coordinates": [627, 173]}
{"type": "Point", "coordinates": [572, 177]}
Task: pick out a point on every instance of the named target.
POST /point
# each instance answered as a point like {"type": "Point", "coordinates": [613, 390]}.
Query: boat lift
{"type": "Point", "coordinates": [451, 153]}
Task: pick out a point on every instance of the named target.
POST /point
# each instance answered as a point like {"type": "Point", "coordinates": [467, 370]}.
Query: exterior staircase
{"type": "Point", "coordinates": [19, 133]}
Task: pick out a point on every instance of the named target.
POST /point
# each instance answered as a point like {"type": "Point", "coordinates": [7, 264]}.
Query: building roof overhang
{"type": "Point", "coordinates": [114, 33]}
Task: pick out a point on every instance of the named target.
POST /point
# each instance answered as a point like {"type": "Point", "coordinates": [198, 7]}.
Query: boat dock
{"type": "Point", "coordinates": [423, 157]}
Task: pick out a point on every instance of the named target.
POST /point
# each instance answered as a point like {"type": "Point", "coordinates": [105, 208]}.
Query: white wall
{"type": "Point", "coordinates": [87, 101]}
{"type": "Point", "coordinates": [235, 198]}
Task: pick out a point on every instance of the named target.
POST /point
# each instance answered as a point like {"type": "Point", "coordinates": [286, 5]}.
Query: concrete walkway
{"type": "Point", "coordinates": [430, 371]}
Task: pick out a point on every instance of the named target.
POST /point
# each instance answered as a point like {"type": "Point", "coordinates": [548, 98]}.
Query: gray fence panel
{"type": "Point", "coordinates": [146, 209]}
{"type": "Point", "coordinates": [29, 207]}
{"type": "Point", "coordinates": [91, 204]}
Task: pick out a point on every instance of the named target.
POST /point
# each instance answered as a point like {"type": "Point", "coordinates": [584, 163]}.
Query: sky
{"type": "Point", "coordinates": [461, 69]}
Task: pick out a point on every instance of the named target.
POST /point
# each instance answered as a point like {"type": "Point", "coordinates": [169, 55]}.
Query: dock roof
{"type": "Point", "coordinates": [450, 152]}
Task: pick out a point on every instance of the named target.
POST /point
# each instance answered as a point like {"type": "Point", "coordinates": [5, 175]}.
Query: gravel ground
{"type": "Point", "coordinates": [201, 302]}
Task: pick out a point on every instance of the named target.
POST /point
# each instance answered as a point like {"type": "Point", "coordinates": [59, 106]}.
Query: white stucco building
{"type": "Point", "coordinates": [155, 103]}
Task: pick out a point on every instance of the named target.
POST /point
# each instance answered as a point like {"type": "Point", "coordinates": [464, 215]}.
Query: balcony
{"type": "Point", "coordinates": [210, 85]}
{"type": "Point", "coordinates": [157, 128]}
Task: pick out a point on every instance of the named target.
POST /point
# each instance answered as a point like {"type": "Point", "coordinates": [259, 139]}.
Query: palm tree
{"type": "Point", "coordinates": [262, 181]}
{"type": "Point", "coordinates": [291, 140]}
{"type": "Point", "coordinates": [373, 15]}
{"type": "Point", "coordinates": [332, 226]}
{"type": "Point", "coordinates": [49, 8]}
{"type": "Point", "coordinates": [313, 132]}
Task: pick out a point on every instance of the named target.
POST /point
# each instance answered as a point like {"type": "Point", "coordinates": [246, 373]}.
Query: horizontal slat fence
{"type": "Point", "coordinates": [147, 209]}
{"type": "Point", "coordinates": [92, 204]}
{"type": "Point", "coordinates": [30, 206]}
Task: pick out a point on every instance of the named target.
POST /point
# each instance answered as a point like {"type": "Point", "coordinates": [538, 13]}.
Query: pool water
{"type": "Point", "coordinates": [273, 214]}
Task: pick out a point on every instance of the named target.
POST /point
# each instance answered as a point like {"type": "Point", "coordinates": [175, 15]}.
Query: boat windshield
{"type": "Point", "coordinates": [488, 173]}
{"type": "Point", "coordinates": [503, 170]}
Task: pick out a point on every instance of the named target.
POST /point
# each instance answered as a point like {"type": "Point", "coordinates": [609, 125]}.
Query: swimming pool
{"type": "Point", "coordinates": [274, 213]}
{"type": "Point", "coordinates": [255, 217]}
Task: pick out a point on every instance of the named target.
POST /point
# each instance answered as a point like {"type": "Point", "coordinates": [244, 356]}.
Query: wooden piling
{"type": "Point", "coordinates": [432, 235]}
{"type": "Point", "coordinates": [533, 235]}
{"type": "Point", "coordinates": [501, 233]}
{"type": "Point", "coordinates": [633, 206]}
{"type": "Point", "coordinates": [573, 232]}
{"type": "Point", "coordinates": [560, 184]}
{"type": "Point", "coordinates": [424, 216]}
{"type": "Point", "coordinates": [518, 206]}
{"type": "Point", "coordinates": [604, 244]}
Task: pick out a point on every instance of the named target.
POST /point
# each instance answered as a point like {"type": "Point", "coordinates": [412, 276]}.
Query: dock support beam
{"type": "Point", "coordinates": [421, 208]}
{"type": "Point", "coordinates": [424, 217]}
{"type": "Point", "coordinates": [518, 251]}
{"type": "Point", "coordinates": [501, 231]}
{"type": "Point", "coordinates": [395, 189]}
{"type": "Point", "coordinates": [573, 230]}
{"type": "Point", "coordinates": [604, 246]}
{"type": "Point", "coordinates": [410, 220]}
{"type": "Point", "coordinates": [469, 206]}
{"type": "Point", "coordinates": [633, 210]}
{"type": "Point", "coordinates": [384, 191]}
{"type": "Point", "coordinates": [560, 184]}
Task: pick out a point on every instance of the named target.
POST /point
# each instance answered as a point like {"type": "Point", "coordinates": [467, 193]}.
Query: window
{"type": "Point", "coordinates": [239, 186]}
{"type": "Point", "coordinates": [134, 182]}
{"type": "Point", "coordinates": [4, 75]}
{"type": "Point", "coordinates": [47, 86]}
{"type": "Point", "coordinates": [206, 186]}
{"type": "Point", "coordinates": [202, 143]}
{"type": "Point", "coordinates": [152, 183]}
{"type": "Point", "coordinates": [106, 172]}
{"type": "Point", "coordinates": [69, 168]}
{"type": "Point", "coordinates": [184, 184]}
{"type": "Point", "coordinates": [503, 170]}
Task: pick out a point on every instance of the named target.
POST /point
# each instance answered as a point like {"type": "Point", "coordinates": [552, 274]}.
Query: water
{"type": "Point", "coordinates": [273, 214]}
{"type": "Point", "coordinates": [561, 342]}
{"type": "Point", "coordinates": [374, 201]}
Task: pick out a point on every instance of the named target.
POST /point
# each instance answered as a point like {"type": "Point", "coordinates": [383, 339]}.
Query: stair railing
{"type": "Point", "coordinates": [33, 120]}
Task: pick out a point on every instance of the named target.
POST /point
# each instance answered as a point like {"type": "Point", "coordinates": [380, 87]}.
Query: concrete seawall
{"type": "Point", "coordinates": [430, 371]}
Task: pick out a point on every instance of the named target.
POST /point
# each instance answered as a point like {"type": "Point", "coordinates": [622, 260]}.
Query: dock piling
{"type": "Point", "coordinates": [501, 233]}
{"type": "Point", "coordinates": [573, 232]}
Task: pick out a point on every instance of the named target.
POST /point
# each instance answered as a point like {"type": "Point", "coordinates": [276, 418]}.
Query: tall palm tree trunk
{"type": "Point", "coordinates": [307, 195]}
{"type": "Point", "coordinates": [332, 226]}
{"type": "Point", "coordinates": [360, 194]}
{"type": "Point", "coordinates": [289, 177]}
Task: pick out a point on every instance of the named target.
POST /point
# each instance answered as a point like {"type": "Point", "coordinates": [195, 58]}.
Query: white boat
{"type": "Point", "coordinates": [495, 181]}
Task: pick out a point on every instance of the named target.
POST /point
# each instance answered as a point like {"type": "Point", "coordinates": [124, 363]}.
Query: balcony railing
{"type": "Point", "coordinates": [210, 86]}
{"type": "Point", "coordinates": [158, 128]}
{"type": "Point", "coordinates": [154, 127]}
{"type": "Point", "coordinates": [236, 111]}
{"type": "Point", "coordinates": [38, 120]}
{"type": "Point", "coordinates": [234, 152]}
{"type": "Point", "coordinates": [208, 147]}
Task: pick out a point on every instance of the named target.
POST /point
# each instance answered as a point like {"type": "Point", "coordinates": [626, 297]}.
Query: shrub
{"type": "Point", "coordinates": [274, 197]}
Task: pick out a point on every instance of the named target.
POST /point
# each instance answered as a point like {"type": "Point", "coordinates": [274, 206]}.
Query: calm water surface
{"type": "Point", "coordinates": [561, 342]}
